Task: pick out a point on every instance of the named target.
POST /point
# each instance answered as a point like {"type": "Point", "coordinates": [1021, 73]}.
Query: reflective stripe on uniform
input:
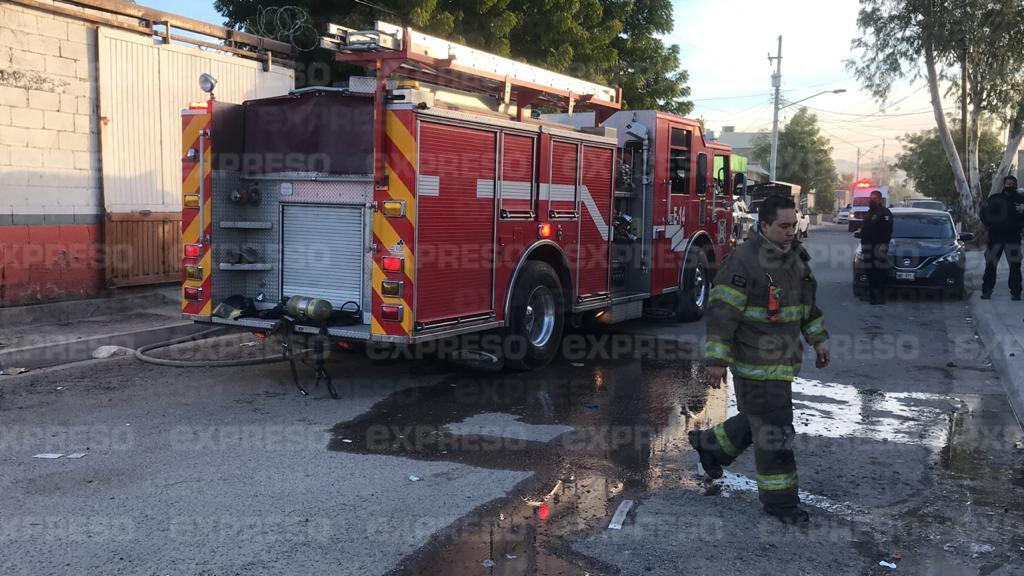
{"type": "Point", "coordinates": [774, 482]}
{"type": "Point", "coordinates": [764, 371]}
{"type": "Point", "coordinates": [730, 296]}
{"type": "Point", "coordinates": [718, 351]}
{"type": "Point", "coordinates": [786, 314]}
{"type": "Point", "coordinates": [723, 441]}
{"type": "Point", "coordinates": [815, 327]}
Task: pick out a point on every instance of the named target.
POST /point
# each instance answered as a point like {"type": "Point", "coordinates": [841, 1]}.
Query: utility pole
{"type": "Point", "coordinates": [856, 177]}
{"type": "Point", "coordinates": [777, 84]}
{"type": "Point", "coordinates": [885, 169]}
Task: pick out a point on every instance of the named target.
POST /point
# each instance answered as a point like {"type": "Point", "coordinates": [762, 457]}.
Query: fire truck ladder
{"type": "Point", "coordinates": [394, 49]}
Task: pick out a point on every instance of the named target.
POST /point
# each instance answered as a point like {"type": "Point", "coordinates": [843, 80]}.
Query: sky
{"type": "Point", "coordinates": [725, 45]}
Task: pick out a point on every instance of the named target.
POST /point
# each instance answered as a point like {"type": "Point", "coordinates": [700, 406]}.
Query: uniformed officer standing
{"type": "Point", "coordinates": [1003, 215]}
{"type": "Point", "coordinates": [762, 302]}
{"type": "Point", "coordinates": [874, 246]}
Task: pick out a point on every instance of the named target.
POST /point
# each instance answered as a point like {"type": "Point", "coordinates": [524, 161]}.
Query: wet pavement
{"type": "Point", "coordinates": [907, 450]}
{"type": "Point", "coordinates": [592, 436]}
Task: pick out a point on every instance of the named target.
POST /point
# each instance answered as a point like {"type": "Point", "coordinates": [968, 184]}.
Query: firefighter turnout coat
{"type": "Point", "coordinates": [763, 301]}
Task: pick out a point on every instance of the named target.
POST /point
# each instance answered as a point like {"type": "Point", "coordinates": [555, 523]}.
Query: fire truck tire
{"type": "Point", "coordinates": [693, 295]}
{"type": "Point", "coordinates": [536, 318]}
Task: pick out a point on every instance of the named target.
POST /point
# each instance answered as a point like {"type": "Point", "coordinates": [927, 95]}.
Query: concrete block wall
{"type": "Point", "coordinates": [50, 172]}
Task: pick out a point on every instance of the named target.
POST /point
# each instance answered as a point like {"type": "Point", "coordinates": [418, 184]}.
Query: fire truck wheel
{"type": "Point", "coordinates": [696, 288]}
{"type": "Point", "coordinates": [536, 318]}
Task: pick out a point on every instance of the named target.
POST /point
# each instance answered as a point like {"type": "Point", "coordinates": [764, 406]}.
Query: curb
{"type": "Point", "coordinates": [47, 355]}
{"type": "Point", "coordinates": [70, 310]}
{"type": "Point", "coordinates": [1005, 350]}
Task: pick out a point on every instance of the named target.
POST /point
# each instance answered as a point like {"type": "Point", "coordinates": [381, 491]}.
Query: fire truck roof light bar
{"type": "Point", "coordinates": [445, 63]}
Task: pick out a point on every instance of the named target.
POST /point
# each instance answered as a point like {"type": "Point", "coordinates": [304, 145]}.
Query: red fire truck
{"type": "Point", "coordinates": [429, 201]}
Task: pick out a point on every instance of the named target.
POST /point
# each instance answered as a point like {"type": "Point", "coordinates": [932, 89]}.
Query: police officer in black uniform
{"type": "Point", "coordinates": [874, 246]}
{"type": "Point", "coordinates": [1003, 215]}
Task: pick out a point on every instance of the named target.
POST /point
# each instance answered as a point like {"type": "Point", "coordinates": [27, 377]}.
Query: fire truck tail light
{"type": "Point", "coordinates": [193, 272]}
{"type": "Point", "coordinates": [393, 208]}
{"type": "Point", "coordinates": [192, 250]}
{"type": "Point", "coordinates": [391, 312]}
{"type": "Point", "coordinates": [190, 201]}
{"type": "Point", "coordinates": [393, 263]}
{"type": "Point", "coordinates": [544, 231]}
{"type": "Point", "coordinates": [193, 293]}
{"type": "Point", "coordinates": [391, 288]}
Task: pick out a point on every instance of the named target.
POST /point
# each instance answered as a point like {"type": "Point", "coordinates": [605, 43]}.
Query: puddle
{"type": "Point", "coordinates": [596, 435]}
{"type": "Point", "coordinates": [842, 411]}
{"type": "Point", "coordinates": [731, 484]}
{"type": "Point", "coordinates": [592, 437]}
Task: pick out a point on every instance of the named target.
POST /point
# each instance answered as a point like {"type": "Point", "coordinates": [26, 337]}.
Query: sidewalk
{"type": "Point", "coordinates": [42, 335]}
{"type": "Point", "coordinates": [1001, 325]}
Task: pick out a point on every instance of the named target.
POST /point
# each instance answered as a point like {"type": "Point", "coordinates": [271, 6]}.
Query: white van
{"type": "Point", "coordinates": [861, 203]}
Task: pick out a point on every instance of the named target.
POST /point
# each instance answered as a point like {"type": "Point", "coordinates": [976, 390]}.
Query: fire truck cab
{"type": "Point", "coordinates": [427, 203]}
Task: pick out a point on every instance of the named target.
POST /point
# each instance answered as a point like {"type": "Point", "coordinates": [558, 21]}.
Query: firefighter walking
{"type": "Point", "coordinates": [762, 302]}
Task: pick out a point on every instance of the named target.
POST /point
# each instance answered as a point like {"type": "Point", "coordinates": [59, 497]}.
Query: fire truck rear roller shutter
{"type": "Point", "coordinates": [323, 253]}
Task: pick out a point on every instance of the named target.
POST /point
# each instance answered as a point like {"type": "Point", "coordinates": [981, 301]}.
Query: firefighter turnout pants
{"type": "Point", "coordinates": [765, 421]}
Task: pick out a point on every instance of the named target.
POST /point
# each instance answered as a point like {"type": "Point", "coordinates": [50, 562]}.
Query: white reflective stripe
{"type": "Point", "coordinates": [677, 234]}
{"type": "Point", "coordinates": [512, 190]}
{"type": "Point", "coordinates": [428, 185]}
{"type": "Point", "coordinates": [559, 192]}
{"type": "Point", "coordinates": [516, 190]}
{"type": "Point", "coordinates": [595, 213]}
{"type": "Point", "coordinates": [485, 188]}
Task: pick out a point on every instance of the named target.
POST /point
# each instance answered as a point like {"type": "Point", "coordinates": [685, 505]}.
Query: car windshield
{"type": "Point", "coordinates": [862, 201]}
{"type": "Point", "coordinates": [928, 205]}
{"type": "Point", "coordinates": [934, 226]}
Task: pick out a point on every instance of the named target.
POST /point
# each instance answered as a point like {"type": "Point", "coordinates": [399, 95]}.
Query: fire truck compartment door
{"type": "Point", "coordinates": [322, 252]}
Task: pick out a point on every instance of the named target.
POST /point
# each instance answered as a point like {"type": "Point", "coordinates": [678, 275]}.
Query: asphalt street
{"type": "Point", "coordinates": [907, 449]}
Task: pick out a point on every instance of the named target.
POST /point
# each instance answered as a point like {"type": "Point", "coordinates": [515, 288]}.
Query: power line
{"type": "Point", "coordinates": [874, 115]}
{"type": "Point", "coordinates": [745, 96]}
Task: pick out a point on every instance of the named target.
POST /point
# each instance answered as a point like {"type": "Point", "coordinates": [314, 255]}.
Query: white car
{"type": "Point", "coordinates": [842, 216]}
{"type": "Point", "coordinates": [743, 222]}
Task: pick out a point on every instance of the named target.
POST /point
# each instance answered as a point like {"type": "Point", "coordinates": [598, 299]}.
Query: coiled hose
{"type": "Point", "coordinates": [140, 353]}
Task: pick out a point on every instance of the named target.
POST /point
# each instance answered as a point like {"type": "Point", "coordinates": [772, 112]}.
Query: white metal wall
{"type": "Point", "coordinates": [144, 86]}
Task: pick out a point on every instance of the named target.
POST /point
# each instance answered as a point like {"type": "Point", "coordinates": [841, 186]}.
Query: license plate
{"type": "Point", "coordinates": [904, 275]}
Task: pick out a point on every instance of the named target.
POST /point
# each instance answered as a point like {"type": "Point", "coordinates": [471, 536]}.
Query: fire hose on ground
{"type": "Point", "coordinates": [141, 354]}
{"type": "Point", "coordinates": [296, 307]}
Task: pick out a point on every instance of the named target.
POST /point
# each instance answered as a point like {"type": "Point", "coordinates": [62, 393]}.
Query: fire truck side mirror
{"type": "Point", "coordinates": [739, 184]}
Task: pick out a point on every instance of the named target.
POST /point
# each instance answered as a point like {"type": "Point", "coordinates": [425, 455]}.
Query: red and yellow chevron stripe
{"type": "Point", "coordinates": [395, 236]}
{"type": "Point", "coordinates": [196, 121]}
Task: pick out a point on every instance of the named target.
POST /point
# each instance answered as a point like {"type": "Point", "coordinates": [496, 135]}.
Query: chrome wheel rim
{"type": "Point", "coordinates": [539, 319]}
{"type": "Point", "coordinates": [700, 287]}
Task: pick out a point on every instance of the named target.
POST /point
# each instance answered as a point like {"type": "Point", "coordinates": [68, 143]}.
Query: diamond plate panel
{"type": "Point", "coordinates": [329, 192]}
{"type": "Point", "coordinates": [266, 242]}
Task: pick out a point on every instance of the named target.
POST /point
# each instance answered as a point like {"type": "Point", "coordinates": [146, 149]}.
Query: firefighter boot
{"type": "Point", "coordinates": [789, 516]}
{"type": "Point", "coordinates": [707, 460]}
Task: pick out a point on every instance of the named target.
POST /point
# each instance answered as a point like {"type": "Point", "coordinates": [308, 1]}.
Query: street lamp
{"type": "Point", "coordinates": [775, 124]}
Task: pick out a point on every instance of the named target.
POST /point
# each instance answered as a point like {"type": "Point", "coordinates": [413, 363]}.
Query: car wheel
{"type": "Point", "coordinates": [860, 292]}
{"type": "Point", "coordinates": [536, 317]}
{"type": "Point", "coordinates": [693, 295]}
